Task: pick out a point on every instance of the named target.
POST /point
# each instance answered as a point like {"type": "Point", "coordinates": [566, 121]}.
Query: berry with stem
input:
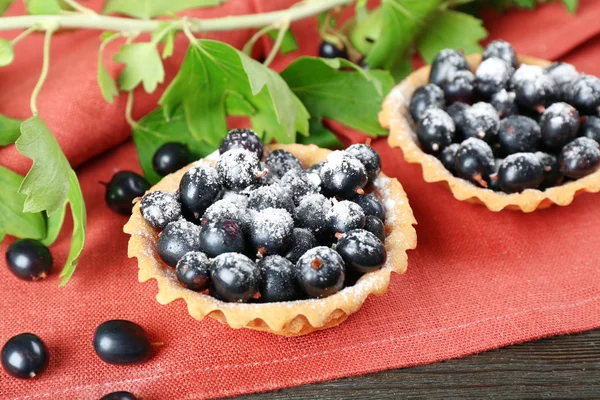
{"type": "Point", "coordinates": [520, 171]}
{"type": "Point", "coordinates": [121, 342]}
{"type": "Point", "coordinates": [25, 356]}
{"type": "Point", "coordinates": [234, 277]}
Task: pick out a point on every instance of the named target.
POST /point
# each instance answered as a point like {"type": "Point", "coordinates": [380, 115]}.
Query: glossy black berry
{"type": "Point", "coordinates": [370, 205]}
{"type": "Point", "coordinates": [29, 259]}
{"type": "Point", "coordinates": [320, 272]}
{"type": "Point", "coordinates": [457, 111]}
{"type": "Point", "coordinates": [159, 208]}
{"type": "Point", "coordinates": [299, 184]}
{"type": "Point", "coordinates": [330, 50]}
{"type": "Point", "coordinates": [228, 209]}
{"type": "Point", "coordinates": [302, 241]}
{"type": "Point", "coordinates": [375, 226]}
{"type": "Point", "coordinates": [280, 161]}
{"type": "Point", "coordinates": [271, 196]}
{"type": "Point", "coordinates": [119, 396]}
{"type": "Point", "coordinates": [123, 188]}
{"type": "Point", "coordinates": [492, 76]}
{"type": "Point", "coordinates": [343, 175]}
{"type": "Point", "coordinates": [242, 139]}
{"type": "Point", "coordinates": [435, 130]}
{"type": "Point", "coordinates": [235, 278]}
{"type": "Point", "coordinates": [519, 134]}
{"type": "Point", "coordinates": [345, 216]}
{"type": "Point", "coordinates": [445, 66]}
{"type": "Point", "coordinates": [271, 231]}
{"type": "Point", "coordinates": [193, 271]}
{"type": "Point", "coordinates": [238, 169]}
{"type": "Point", "coordinates": [460, 88]}
{"type": "Point", "coordinates": [362, 250]}
{"type": "Point", "coordinates": [501, 49]}
{"type": "Point", "coordinates": [481, 121]}
{"type": "Point", "coordinates": [533, 87]}
{"type": "Point", "coordinates": [178, 238]}
{"type": "Point", "coordinates": [311, 213]}
{"type": "Point", "coordinates": [200, 186]}
{"type": "Point", "coordinates": [368, 157]}
{"type": "Point", "coordinates": [552, 175]}
{"type": "Point", "coordinates": [580, 157]}
{"type": "Point", "coordinates": [584, 94]}
{"type": "Point", "coordinates": [121, 342]}
{"type": "Point", "coordinates": [170, 157]}
{"type": "Point", "coordinates": [25, 356]}
{"type": "Point", "coordinates": [278, 280]}
{"type": "Point", "coordinates": [505, 103]}
{"type": "Point", "coordinates": [424, 98]}
{"type": "Point", "coordinates": [448, 157]}
{"type": "Point", "coordinates": [221, 236]}
{"type": "Point", "coordinates": [590, 127]}
{"type": "Point", "coordinates": [475, 161]}
{"type": "Point", "coordinates": [559, 125]}
{"type": "Point", "coordinates": [520, 171]}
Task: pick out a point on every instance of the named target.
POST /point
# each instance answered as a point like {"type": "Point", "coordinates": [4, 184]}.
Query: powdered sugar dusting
{"type": "Point", "coordinates": [159, 208]}
{"type": "Point", "coordinates": [437, 117]}
{"type": "Point", "coordinates": [494, 70]}
{"type": "Point", "coordinates": [276, 221]}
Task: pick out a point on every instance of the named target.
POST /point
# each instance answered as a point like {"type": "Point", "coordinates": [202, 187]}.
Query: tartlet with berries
{"type": "Point", "coordinates": [288, 239]}
{"type": "Point", "coordinates": [507, 131]}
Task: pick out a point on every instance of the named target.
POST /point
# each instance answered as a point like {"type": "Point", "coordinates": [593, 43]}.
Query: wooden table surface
{"type": "Point", "coordinates": [561, 367]}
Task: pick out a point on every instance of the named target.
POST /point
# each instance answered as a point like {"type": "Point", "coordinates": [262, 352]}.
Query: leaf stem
{"type": "Point", "coordinates": [78, 7]}
{"type": "Point", "coordinates": [44, 73]}
{"type": "Point", "coordinates": [129, 110]}
{"type": "Point", "coordinates": [24, 34]}
{"type": "Point", "coordinates": [285, 25]}
{"type": "Point", "coordinates": [250, 43]}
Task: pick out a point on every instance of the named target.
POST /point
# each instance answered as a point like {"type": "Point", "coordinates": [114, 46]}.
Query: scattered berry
{"type": "Point", "coordinates": [280, 161]}
{"type": "Point", "coordinates": [492, 76]}
{"type": "Point", "coordinates": [448, 157]}
{"type": "Point", "coordinates": [460, 88]}
{"type": "Point", "coordinates": [170, 157]}
{"type": "Point", "coordinates": [25, 356]}
{"type": "Point", "coordinates": [345, 216]}
{"type": "Point", "coordinates": [584, 94]}
{"type": "Point", "coordinates": [299, 185]}
{"type": "Point", "coordinates": [121, 342]}
{"type": "Point", "coordinates": [330, 50]}
{"type": "Point", "coordinates": [435, 130]}
{"type": "Point", "coordinates": [505, 103]}
{"type": "Point", "coordinates": [424, 98]}
{"type": "Point", "coordinates": [520, 171]}
{"type": "Point", "coordinates": [311, 213]}
{"type": "Point", "coordinates": [221, 236]}
{"type": "Point", "coordinates": [235, 278]}
{"type": "Point", "coordinates": [369, 158]}
{"type": "Point", "coordinates": [552, 174]}
{"type": "Point", "coordinates": [375, 226]}
{"type": "Point", "coordinates": [343, 175]}
{"type": "Point", "coordinates": [445, 66]}
{"type": "Point", "coordinates": [559, 124]}
{"type": "Point", "coordinates": [475, 161]}
{"type": "Point", "coordinates": [481, 121]}
{"type": "Point", "coordinates": [193, 271]}
{"type": "Point", "coordinates": [362, 250]}
{"type": "Point", "coordinates": [29, 259]}
{"type": "Point", "coordinates": [519, 134]}
{"type": "Point", "coordinates": [533, 87]}
{"type": "Point", "coordinates": [159, 208]}
{"type": "Point", "coordinates": [591, 128]}
{"type": "Point", "coordinates": [242, 139]}
{"type": "Point", "coordinates": [278, 281]}
{"type": "Point", "coordinates": [271, 196]}
{"type": "Point", "coordinates": [123, 189]}
{"type": "Point", "coordinates": [119, 396]}
{"type": "Point", "coordinates": [200, 186]}
{"type": "Point", "coordinates": [501, 49]}
{"type": "Point", "coordinates": [178, 238]}
{"type": "Point", "coordinates": [271, 231]}
{"type": "Point", "coordinates": [580, 157]}
{"type": "Point", "coordinates": [320, 272]}
{"type": "Point", "coordinates": [238, 169]}
{"type": "Point", "coordinates": [302, 241]}
{"type": "Point", "coordinates": [370, 205]}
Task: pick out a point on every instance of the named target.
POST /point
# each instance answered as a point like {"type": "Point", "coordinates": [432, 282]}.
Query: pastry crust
{"type": "Point", "coordinates": [395, 117]}
{"type": "Point", "coordinates": [285, 318]}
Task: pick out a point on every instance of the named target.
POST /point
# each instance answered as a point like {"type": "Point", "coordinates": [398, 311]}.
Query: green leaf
{"type": "Point", "coordinates": [339, 90]}
{"type": "Point", "coordinates": [142, 65]}
{"type": "Point", "coordinates": [4, 4]}
{"type": "Point", "coordinates": [154, 8]}
{"type": "Point", "coordinates": [361, 11]}
{"type": "Point", "coordinates": [571, 5]}
{"type": "Point", "coordinates": [77, 204]}
{"type": "Point", "coordinates": [525, 3]}
{"type": "Point", "coordinates": [42, 6]}
{"type": "Point", "coordinates": [451, 29]}
{"type": "Point", "coordinates": [54, 223]}
{"type": "Point", "coordinates": [289, 43]}
{"type": "Point", "coordinates": [47, 182]}
{"type": "Point", "coordinates": [154, 130]}
{"type": "Point", "coordinates": [10, 130]}
{"type": "Point", "coordinates": [7, 54]}
{"type": "Point", "coordinates": [107, 84]}
{"type": "Point", "coordinates": [402, 22]}
{"type": "Point", "coordinates": [169, 44]}
{"type": "Point", "coordinates": [13, 221]}
{"type": "Point", "coordinates": [322, 138]}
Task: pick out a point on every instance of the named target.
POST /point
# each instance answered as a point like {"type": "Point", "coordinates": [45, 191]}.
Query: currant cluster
{"type": "Point", "coordinates": [509, 127]}
{"type": "Point", "coordinates": [256, 228]}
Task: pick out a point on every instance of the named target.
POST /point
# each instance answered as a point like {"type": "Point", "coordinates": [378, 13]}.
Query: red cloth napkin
{"type": "Point", "coordinates": [478, 280]}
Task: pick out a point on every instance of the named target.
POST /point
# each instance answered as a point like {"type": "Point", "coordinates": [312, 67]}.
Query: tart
{"type": "Point", "coordinates": [396, 117]}
{"type": "Point", "coordinates": [289, 318]}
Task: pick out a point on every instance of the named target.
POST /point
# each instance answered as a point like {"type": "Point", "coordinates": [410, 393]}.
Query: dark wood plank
{"type": "Point", "coordinates": [559, 367]}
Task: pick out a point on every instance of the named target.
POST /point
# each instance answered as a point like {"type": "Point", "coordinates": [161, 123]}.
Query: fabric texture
{"type": "Point", "coordinates": [478, 280]}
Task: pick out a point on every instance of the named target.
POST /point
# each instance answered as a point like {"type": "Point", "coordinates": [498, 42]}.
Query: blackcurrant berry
{"type": "Point", "coordinates": [221, 236]}
{"type": "Point", "coordinates": [280, 161]}
{"type": "Point", "coordinates": [178, 238]}
{"type": "Point", "coordinates": [375, 226]}
{"type": "Point", "coordinates": [368, 157]}
{"type": "Point", "coordinates": [228, 209]}
{"type": "Point", "coordinates": [343, 175]}
{"type": "Point", "coordinates": [475, 161]}
{"type": "Point", "coordinates": [320, 272]}
{"type": "Point", "coordinates": [505, 103]}
{"type": "Point", "coordinates": [559, 124]}
{"type": "Point", "coordinates": [501, 49]}
{"type": "Point", "coordinates": [591, 128]}
{"type": "Point", "coordinates": [446, 64]}
{"type": "Point", "coordinates": [159, 208]}
{"type": "Point", "coordinates": [533, 87]}
{"type": "Point", "coordinates": [234, 277]}
{"type": "Point", "coordinates": [238, 169]}
{"type": "Point", "coordinates": [584, 94]}
{"type": "Point", "coordinates": [492, 76]}
{"type": "Point", "coordinates": [119, 396]}
{"type": "Point", "coordinates": [345, 216]}
{"type": "Point", "coordinates": [123, 188]}
{"type": "Point", "coordinates": [424, 98]}
{"type": "Point", "coordinates": [481, 121]}
{"type": "Point", "coordinates": [330, 50]}
{"type": "Point", "coordinates": [271, 231]}
{"type": "Point", "coordinates": [200, 186]}
{"type": "Point", "coordinates": [299, 184]}
{"type": "Point", "coordinates": [457, 111]}
{"type": "Point", "coordinates": [302, 241]}
{"type": "Point", "coordinates": [316, 168]}
{"type": "Point", "coordinates": [242, 139]}
{"type": "Point", "coordinates": [519, 134]}
{"type": "Point", "coordinates": [362, 250]}
{"type": "Point", "coordinates": [29, 259]}
{"type": "Point", "coordinates": [170, 157]}
{"type": "Point", "coordinates": [311, 213]}
{"type": "Point", "coordinates": [193, 271]}
{"type": "Point", "coordinates": [121, 342]}
{"type": "Point", "coordinates": [448, 157]}
{"type": "Point", "coordinates": [271, 196]}
{"type": "Point", "coordinates": [240, 199]}
{"type": "Point", "coordinates": [460, 88]}
{"type": "Point", "coordinates": [278, 280]}
{"type": "Point", "coordinates": [435, 130]}
{"type": "Point", "coordinates": [580, 157]}
{"type": "Point", "coordinates": [563, 75]}
{"type": "Point", "coordinates": [370, 205]}
{"type": "Point", "coordinates": [25, 356]}
{"type": "Point", "coordinates": [520, 171]}
{"type": "Point", "coordinates": [552, 175]}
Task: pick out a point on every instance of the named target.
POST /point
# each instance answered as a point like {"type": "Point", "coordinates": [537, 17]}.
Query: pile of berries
{"type": "Point", "coordinates": [509, 127]}
{"type": "Point", "coordinates": [259, 227]}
